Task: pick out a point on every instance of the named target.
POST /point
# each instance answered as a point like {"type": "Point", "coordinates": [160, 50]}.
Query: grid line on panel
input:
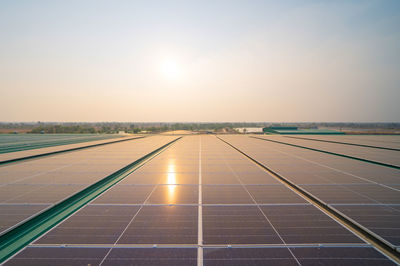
{"type": "Point", "coordinates": [316, 245]}
{"type": "Point", "coordinates": [126, 227]}
{"type": "Point", "coordinates": [344, 143]}
{"type": "Point", "coordinates": [331, 168]}
{"type": "Point", "coordinates": [255, 202]}
{"type": "Point", "coordinates": [200, 214]}
{"type": "Point", "coordinates": [334, 153]}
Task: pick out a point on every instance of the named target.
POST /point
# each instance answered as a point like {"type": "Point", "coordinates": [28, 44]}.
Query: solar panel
{"type": "Point", "coordinates": [294, 256]}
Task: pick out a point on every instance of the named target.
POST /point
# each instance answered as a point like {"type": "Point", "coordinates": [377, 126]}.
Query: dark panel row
{"type": "Point", "coordinates": [279, 224]}
{"type": "Point", "coordinates": [212, 256]}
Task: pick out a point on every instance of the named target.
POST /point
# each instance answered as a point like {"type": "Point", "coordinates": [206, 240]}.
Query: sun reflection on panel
{"type": "Point", "coordinates": [171, 182]}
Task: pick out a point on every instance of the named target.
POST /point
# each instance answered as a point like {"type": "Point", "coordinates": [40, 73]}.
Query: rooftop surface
{"type": "Point", "coordinates": [205, 200]}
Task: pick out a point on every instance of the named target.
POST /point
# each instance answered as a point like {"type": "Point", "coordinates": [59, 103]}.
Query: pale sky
{"type": "Point", "coordinates": [181, 61]}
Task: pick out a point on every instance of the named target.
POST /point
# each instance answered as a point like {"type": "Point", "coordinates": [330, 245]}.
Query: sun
{"type": "Point", "coordinates": [171, 69]}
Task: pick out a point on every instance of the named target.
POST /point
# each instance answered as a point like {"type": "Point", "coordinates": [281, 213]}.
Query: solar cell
{"type": "Point", "coordinates": [337, 194]}
{"type": "Point", "coordinates": [125, 194]}
{"type": "Point", "coordinates": [225, 194]}
{"type": "Point", "coordinates": [174, 194]}
{"type": "Point", "coordinates": [215, 178]}
{"type": "Point", "coordinates": [11, 214]}
{"type": "Point", "coordinates": [155, 256]}
{"type": "Point", "coordinates": [340, 256]}
{"type": "Point", "coordinates": [35, 256]}
{"type": "Point", "coordinates": [294, 256]}
{"type": "Point", "coordinates": [162, 225]}
{"type": "Point", "coordinates": [274, 194]}
{"type": "Point", "coordinates": [143, 178]}
{"type": "Point", "coordinates": [43, 193]}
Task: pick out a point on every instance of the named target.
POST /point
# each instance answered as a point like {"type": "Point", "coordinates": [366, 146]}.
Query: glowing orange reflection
{"type": "Point", "coordinates": [171, 182]}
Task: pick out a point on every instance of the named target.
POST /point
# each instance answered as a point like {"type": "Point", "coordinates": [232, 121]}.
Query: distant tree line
{"type": "Point", "coordinates": [52, 129]}
{"type": "Point", "coordinates": [154, 127]}
{"type": "Point", "coordinates": [110, 128]}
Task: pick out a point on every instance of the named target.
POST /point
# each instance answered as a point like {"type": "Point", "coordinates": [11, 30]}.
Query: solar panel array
{"type": "Point", "coordinates": [347, 185]}
{"type": "Point", "coordinates": [380, 141]}
{"type": "Point", "coordinates": [201, 202]}
{"type": "Point", "coordinates": [14, 143]}
{"type": "Point", "coordinates": [379, 155]}
{"type": "Point", "coordinates": [23, 154]}
{"type": "Point", "coordinates": [32, 186]}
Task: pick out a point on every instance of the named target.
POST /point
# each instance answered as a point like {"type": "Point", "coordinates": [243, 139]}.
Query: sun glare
{"type": "Point", "coordinates": [171, 70]}
{"type": "Point", "coordinates": [171, 182]}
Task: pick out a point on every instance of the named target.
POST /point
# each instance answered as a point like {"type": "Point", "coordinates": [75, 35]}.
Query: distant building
{"type": "Point", "coordinates": [272, 129]}
{"type": "Point", "coordinates": [249, 130]}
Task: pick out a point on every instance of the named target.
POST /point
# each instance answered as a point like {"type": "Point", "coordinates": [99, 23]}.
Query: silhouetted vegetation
{"type": "Point", "coordinates": [115, 127]}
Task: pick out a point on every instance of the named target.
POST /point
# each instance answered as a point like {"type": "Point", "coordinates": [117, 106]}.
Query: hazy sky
{"type": "Point", "coordinates": [200, 60]}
